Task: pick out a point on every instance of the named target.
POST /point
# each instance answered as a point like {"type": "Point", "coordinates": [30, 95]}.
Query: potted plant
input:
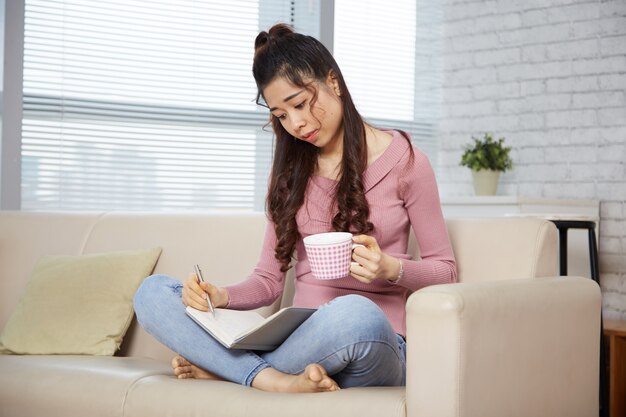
{"type": "Point", "coordinates": [487, 158]}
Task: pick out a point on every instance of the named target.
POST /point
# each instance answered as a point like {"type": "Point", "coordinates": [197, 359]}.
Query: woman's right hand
{"type": "Point", "coordinates": [195, 294]}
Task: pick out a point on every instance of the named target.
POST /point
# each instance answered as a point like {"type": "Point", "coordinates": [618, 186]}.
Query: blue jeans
{"type": "Point", "coordinates": [350, 337]}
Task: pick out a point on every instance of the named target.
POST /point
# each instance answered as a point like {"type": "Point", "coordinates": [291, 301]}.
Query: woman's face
{"type": "Point", "coordinates": [319, 123]}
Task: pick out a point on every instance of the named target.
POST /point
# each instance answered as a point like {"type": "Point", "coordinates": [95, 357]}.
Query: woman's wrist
{"type": "Point", "coordinates": [395, 269]}
{"type": "Point", "coordinates": [224, 297]}
{"type": "Point", "coordinates": [400, 271]}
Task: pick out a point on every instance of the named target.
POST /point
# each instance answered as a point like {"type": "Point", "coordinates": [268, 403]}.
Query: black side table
{"type": "Point", "coordinates": [563, 225]}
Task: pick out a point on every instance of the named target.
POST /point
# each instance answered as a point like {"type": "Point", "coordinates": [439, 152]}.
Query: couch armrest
{"type": "Point", "coordinates": [527, 347]}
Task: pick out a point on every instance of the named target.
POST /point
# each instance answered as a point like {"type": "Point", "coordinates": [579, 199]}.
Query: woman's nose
{"type": "Point", "coordinates": [298, 120]}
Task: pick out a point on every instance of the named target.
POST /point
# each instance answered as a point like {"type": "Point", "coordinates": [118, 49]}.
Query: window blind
{"type": "Point", "coordinates": [144, 104]}
{"type": "Point", "coordinates": [391, 59]}
{"type": "Point", "coordinates": [148, 104]}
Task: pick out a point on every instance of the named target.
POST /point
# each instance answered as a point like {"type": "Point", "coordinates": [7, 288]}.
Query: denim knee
{"type": "Point", "coordinates": [147, 288]}
{"type": "Point", "coordinates": [360, 315]}
{"type": "Point", "coordinates": [149, 295]}
{"type": "Point", "coordinates": [355, 302]}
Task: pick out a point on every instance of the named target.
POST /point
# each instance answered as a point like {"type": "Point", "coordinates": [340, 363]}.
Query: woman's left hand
{"type": "Point", "coordinates": [372, 262]}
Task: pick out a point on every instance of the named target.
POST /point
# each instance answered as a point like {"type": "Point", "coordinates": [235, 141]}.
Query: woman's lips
{"type": "Point", "coordinates": [309, 137]}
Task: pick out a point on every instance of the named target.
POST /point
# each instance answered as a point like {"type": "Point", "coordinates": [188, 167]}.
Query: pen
{"type": "Point", "coordinates": [199, 274]}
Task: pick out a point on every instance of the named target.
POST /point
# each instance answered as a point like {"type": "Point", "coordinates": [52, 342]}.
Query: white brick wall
{"type": "Point", "coordinates": [550, 76]}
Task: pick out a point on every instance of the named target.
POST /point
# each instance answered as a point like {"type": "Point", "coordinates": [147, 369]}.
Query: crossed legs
{"type": "Point", "coordinates": [347, 342]}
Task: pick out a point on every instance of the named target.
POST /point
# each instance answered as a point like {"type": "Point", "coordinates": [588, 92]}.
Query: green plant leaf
{"type": "Point", "coordinates": [487, 153]}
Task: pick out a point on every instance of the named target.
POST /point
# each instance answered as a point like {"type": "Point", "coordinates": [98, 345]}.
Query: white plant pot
{"type": "Point", "coordinates": [485, 181]}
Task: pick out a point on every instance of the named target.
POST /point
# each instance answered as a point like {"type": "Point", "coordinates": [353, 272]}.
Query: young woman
{"type": "Point", "coordinates": [331, 171]}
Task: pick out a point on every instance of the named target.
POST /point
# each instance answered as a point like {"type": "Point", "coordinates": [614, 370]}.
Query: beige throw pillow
{"type": "Point", "coordinates": [78, 304]}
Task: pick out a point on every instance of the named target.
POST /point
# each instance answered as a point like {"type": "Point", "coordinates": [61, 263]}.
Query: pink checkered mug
{"type": "Point", "coordinates": [330, 254]}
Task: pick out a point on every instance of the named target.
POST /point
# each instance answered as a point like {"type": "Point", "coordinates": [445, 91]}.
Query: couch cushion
{"type": "Point", "coordinates": [78, 304]}
{"type": "Point", "coordinates": [61, 386]}
{"type": "Point", "coordinates": [151, 395]}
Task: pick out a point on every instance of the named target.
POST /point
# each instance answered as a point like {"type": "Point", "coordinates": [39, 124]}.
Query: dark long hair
{"type": "Point", "coordinates": [303, 60]}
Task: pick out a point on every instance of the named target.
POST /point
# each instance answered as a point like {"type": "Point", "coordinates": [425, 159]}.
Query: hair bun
{"type": "Point", "coordinates": [261, 40]}
{"type": "Point", "coordinates": [279, 30]}
{"type": "Point", "coordinates": [276, 32]}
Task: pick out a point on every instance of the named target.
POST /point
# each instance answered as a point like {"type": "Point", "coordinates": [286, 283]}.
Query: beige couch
{"type": "Point", "coordinates": [501, 343]}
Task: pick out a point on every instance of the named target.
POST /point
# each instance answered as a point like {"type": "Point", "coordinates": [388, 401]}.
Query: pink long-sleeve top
{"type": "Point", "coordinates": [401, 194]}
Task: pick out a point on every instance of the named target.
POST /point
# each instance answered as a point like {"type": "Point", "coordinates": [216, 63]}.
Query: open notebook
{"type": "Point", "coordinates": [248, 329]}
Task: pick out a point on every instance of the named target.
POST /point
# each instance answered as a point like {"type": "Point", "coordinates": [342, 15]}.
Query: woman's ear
{"type": "Point", "coordinates": [332, 83]}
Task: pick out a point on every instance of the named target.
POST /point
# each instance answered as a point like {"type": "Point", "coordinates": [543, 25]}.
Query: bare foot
{"type": "Point", "coordinates": [313, 379]}
{"type": "Point", "coordinates": [183, 369]}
